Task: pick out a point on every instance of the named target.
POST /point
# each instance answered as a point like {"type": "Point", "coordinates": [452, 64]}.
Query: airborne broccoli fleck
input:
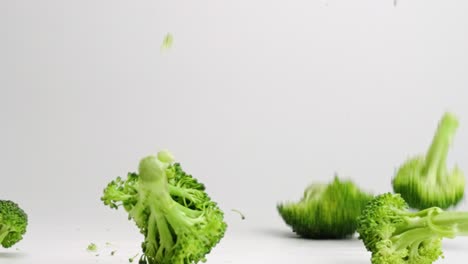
{"type": "Point", "coordinates": [180, 222]}
{"type": "Point", "coordinates": [325, 211]}
{"type": "Point", "coordinates": [240, 213]}
{"type": "Point", "coordinates": [425, 181]}
{"type": "Point", "coordinates": [167, 42]}
{"type": "Point", "coordinates": [398, 236]}
{"type": "Point", "coordinates": [92, 247]}
{"type": "Point", "coordinates": [13, 223]}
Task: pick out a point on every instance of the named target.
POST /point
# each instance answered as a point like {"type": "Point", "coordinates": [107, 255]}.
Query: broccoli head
{"type": "Point", "coordinates": [179, 221]}
{"type": "Point", "coordinates": [326, 211]}
{"type": "Point", "coordinates": [13, 223]}
{"type": "Point", "coordinates": [396, 235]}
{"type": "Point", "coordinates": [425, 181]}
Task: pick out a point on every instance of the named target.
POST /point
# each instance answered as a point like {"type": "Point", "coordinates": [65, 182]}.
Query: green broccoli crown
{"type": "Point", "coordinates": [13, 223]}
{"type": "Point", "coordinates": [425, 181]}
{"type": "Point", "coordinates": [325, 211]}
{"type": "Point", "coordinates": [180, 222]}
{"type": "Point", "coordinates": [396, 235]}
{"type": "Point", "coordinates": [422, 192]}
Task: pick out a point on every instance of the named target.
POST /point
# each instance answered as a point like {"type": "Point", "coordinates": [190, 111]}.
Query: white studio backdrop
{"type": "Point", "coordinates": [256, 99]}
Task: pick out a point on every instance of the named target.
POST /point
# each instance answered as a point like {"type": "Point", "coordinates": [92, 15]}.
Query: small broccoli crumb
{"type": "Point", "coordinates": [92, 247]}
{"type": "Point", "coordinates": [113, 252]}
{"type": "Point", "coordinates": [167, 42]}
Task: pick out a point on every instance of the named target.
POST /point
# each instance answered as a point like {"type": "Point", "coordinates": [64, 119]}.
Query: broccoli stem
{"type": "Point", "coordinates": [411, 237]}
{"type": "Point", "coordinates": [437, 153]}
{"type": "Point", "coordinates": [445, 224]}
{"type": "Point", "coordinates": [457, 222]}
{"type": "Point", "coordinates": [414, 219]}
{"type": "Point", "coordinates": [188, 195]}
{"type": "Point", "coordinates": [154, 187]}
{"type": "Point", "coordinates": [183, 217]}
{"type": "Point", "coordinates": [137, 214]}
{"type": "Point", "coordinates": [166, 241]}
{"type": "Point", "coordinates": [4, 230]}
{"type": "Point", "coordinates": [118, 196]}
{"type": "Point", "coordinates": [151, 245]}
{"type": "Point", "coordinates": [433, 221]}
{"type": "Point", "coordinates": [153, 184]}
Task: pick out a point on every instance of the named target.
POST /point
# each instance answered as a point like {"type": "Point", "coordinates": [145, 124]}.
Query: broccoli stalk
{"type": "Point", "coordinates": [434, 166]}
{"type": "Point", "coordinates": [4, 231]}
{"type": "Point", "coordinates": [164, 214]}
{"type": "Point", "coordinates": [425, 181]}
{"type": "Point", "coordinates": [396, 235]}
{"type": "Point", "coordinates": [179, 221]}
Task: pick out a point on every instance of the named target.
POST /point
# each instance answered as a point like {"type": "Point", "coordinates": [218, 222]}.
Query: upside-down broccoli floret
{"type": "Point", "coordinates": [325, 211]}
{"type": "Point", "coordinates": [425, 181]}
{"type": "Point", "coordinates": [13, 223]}
{"type": "Point", "coordinates": [180, 222]}
{"type": "Point", "coordinates": [398, 236]}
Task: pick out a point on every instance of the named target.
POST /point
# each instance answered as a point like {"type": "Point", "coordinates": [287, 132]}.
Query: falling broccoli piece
{"type": "Point", "coordinates": [13, 223]}
{"type": "Point", "coordinates": [425, 181]}
{"type": "Point", "coordinates": [326, 211]}
{"type": "Point", "coordinates": [92, 247]}
{"type": "Point", "coordinates": [113, 252]}
{"type": "Point", "coordinates": [179, 221]}
{"type": "Point", "coordinates": [167, 42]}
{"type": "Point", "coordinates": [394, 234]}
{"type": "Point", "coordinates": [240, 213]}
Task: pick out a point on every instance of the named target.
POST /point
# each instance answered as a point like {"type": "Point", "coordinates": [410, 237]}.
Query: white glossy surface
{"type": "Point", "coordinates": [252, 246]}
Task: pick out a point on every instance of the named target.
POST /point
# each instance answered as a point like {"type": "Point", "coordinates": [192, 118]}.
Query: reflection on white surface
{"type": "Point", "coordinates": [241, 247]}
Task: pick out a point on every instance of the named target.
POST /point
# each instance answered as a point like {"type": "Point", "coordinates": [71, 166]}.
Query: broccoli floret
{"type": "Point", "coordinates": [396, 235]}
{"type": "Point", "coordinates": [179, 221]}
{"type": "Point", "coordinates": [425, 181]}
{"type": "Point", "coordinates": [325, 211]}
{"type": "Point", "coordinates": [13, 223]}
